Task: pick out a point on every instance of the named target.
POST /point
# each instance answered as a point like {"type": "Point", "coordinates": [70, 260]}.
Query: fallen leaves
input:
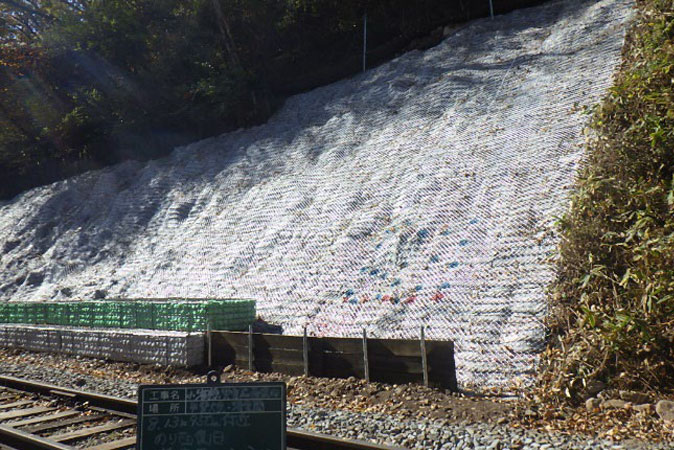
{"type": "Point", "coordinates": [404, 401]}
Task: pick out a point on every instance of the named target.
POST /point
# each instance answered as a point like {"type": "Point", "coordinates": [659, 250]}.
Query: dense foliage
{"type": "Point", "coordinates": [85, 83]}
{"type": "Point", "coordinates": [615, 298]}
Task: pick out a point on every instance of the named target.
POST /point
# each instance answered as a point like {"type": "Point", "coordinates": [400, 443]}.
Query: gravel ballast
{"type": "Point", "coordinates": [416, 431]}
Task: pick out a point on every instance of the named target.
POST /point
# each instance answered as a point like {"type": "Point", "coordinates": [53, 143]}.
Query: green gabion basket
{"type": "Point", "coordinates": [175, 314]}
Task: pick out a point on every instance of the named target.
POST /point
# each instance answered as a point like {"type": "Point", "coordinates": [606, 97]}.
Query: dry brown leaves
{"type": "Point", "coordinates": [613, 424]}
{"type": "Point", "coordinates": [405, 401]}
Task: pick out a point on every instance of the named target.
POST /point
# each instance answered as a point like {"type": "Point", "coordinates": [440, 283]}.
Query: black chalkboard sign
{"type": "Point", "coordinates": [222, 416]}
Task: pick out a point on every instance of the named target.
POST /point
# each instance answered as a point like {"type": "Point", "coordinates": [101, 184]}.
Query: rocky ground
{"type": "Point", "coordinates": [408, 416]}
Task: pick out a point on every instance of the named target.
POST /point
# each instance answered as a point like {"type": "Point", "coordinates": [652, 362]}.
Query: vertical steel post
{"type": "Point", "coordinates": [166, 341]}
{"type": "Point", "coordinates": [250, 348]}
{"type": "Point", "coordinates": [424, 361]}
{"type": "Point", "coordinates": [305, 352]}
{"type": "Point", "coordinates": [210, 344]}
{"type": "Point", "coordinates": [366, 362]}
{"type": "Point", "coordinates": [364, 40]}
{"type": "Point", "coordinates": [491, 8]}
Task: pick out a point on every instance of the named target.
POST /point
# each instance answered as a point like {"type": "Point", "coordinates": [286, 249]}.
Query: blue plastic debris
{"type": "Point", "coordinates": [444, 286]}
{"type": "Point", "coordinates": [418, 287]}
{"type": "Point", "coordinates": [435, 258]}
{"type": "Point", "coordinates": [396, 282]}
{"type": "Point", "coordinates": [473, 221]}
{"type": "Point", "coordinates": [453, 264]}
{"type": "Point", "coordinates": [348, 293]}
{"type": "Point", "coordinates": [374, 272]}
{"type": "Point", "coordinates": [464, 242]}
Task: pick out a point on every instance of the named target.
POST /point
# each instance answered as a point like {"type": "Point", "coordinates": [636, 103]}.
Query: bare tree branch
{"type": "Point", "coordinates": [26, 29]}
{"type": "Point", "coordinates": [227, 39]}
{"type": "Point", "coordinates": [23, 7]}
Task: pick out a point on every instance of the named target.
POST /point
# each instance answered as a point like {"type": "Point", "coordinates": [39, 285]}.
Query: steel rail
{"type": "Point", "coordinates": [306, 440]}
{"type": "Point", "coordinates": [99, 400]}
{"type": "Point", "coordinates": [21, 440]}
{"type": "Point", "coordinates": [296, 439]}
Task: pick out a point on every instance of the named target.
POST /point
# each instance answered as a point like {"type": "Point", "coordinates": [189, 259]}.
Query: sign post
{"type": "Point", "coordinates": [212, 416]}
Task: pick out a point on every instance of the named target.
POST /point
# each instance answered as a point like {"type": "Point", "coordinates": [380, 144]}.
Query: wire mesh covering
{"type": "Point", "coordinates": [176, 315]}
{"type": "Point", "coordinates": [420, 193]}
{"type": "Point", "coordinates": [142, 346]}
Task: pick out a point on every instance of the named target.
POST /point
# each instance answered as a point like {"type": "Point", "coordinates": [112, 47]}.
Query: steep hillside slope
{"type": "Point", "coordinates": [420, 193]}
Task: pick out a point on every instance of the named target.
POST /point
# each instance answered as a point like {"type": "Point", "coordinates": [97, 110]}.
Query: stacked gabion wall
{"type": "Point", "coordinates": [147, 347]}
{"type": "Point", "coordinates": [177, 315]}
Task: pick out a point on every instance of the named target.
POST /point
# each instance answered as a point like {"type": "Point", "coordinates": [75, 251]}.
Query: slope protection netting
{"type": "Point", "coordinates": [422, 192]}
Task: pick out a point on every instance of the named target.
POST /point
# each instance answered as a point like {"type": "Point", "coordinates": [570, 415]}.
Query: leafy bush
{"type": "Point", "coordinates": [614, 301]}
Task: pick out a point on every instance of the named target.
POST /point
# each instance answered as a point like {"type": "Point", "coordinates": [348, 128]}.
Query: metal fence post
{"type": "Point", "coordinates": [210, 344]}
{"type": "Point", "coordinates": [364, 40]}
{"type": "Point", "coordinates": [305, 352]}
{"type": "Point", "coordinates": [491, 8]}
{"type": "Point", "coordinates": [250, 348]}
{"type": "Point", "coordinates": [424, 361]}
{"type": "Point", "coordinates": [366, 363]}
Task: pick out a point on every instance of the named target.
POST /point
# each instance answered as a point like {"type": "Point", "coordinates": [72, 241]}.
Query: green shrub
{"type": "Point", "coordinates": [614, 301]}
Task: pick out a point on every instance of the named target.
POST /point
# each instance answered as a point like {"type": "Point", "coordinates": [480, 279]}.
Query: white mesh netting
{"type": "Point", "coordinates": [422, 192]}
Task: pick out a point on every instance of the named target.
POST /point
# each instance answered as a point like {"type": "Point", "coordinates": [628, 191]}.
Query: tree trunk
{"type": "Point", "coordinates": [226, 33]}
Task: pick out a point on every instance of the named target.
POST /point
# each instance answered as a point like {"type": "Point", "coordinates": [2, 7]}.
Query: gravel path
{"type": "Point", "coordinates": [378, 427]}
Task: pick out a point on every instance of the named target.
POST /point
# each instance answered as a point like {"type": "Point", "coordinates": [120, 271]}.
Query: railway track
{"type": "Point", "coordinates": [39, 416]}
